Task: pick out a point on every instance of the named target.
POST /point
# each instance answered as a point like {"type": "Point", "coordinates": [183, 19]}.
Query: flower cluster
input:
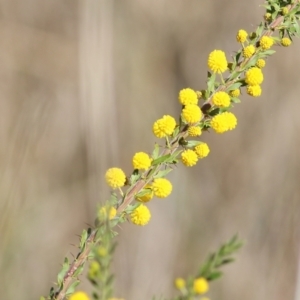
{"type": "Point", "coordinates": [191, 113]}
{"type": "Point", "coordinates": [188, 96]}
{"type": "Point", "coordinates": [245, 71]}
{"type": "Point", "coordinates": [199, 286]}
{"type": "Point", "coordinates": [254, 77]}
{"type": "Point", "coordinates": [223, 122]}
{"type": "Point", "coordinates": [115, 178]}
{"type": "Point", "coordinates": [221, 99]}
{"type": "Point", "coordinates": [217, 61]}
{"type": "Point", "coordinates": [141, 161]}
{"type": "Point", "coordinates": [141, 215]}
{"type": "Point", "coordinates": [164, 126]}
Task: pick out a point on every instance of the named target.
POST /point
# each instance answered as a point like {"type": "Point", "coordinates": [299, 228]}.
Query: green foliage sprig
{"type": "Point", "coordinates": [148, 180]}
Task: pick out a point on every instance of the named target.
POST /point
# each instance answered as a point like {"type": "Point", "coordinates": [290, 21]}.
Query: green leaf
{"type": "Point", "coordinates": [155, 152]}
{"type": "Point", "coordinates": [214, 275]}
{"type": "Point", "coordinates": [135, 176]}
{"type": "Point", "coordinates": [235, 100]}
{"type": "Point", "coordinates": [161, 159]}
{"type": "Point", "coordinates": [78, 271]}
{"type": "Point", "coordinates": [192, 144]}
{"type": "Point", "coordinates": [211, 83]}
{"type": "Point", "coordinates": [259, 29]}
{"type": "Point", "coordinates": [63, 272]}
{"type": "Point", "coordinates": [234, 86]}
{"type": "Point", "coordinates": [163, 173]}
{"type": "Point", "coordinates": [83, 239]}
{"type": "Point", "coordinates": [176, 131]}
{"type": "Point", "coordinates": [72, 287]}
{"type": "Point", "coordinates": [269, 52]}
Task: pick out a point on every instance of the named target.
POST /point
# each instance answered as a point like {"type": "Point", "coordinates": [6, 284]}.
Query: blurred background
{"type": "Point", "coordinates": [81, 83]}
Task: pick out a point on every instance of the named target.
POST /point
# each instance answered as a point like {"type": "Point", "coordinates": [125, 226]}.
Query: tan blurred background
{"type": "Point", "coordinates": [81, 83]}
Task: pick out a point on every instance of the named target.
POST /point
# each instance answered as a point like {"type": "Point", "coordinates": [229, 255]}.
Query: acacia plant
{"type": "Point", "coordinates": [181, 142]}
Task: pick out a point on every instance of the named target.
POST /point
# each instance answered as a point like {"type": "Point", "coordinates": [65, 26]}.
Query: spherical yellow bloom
{"type": "Point", "coordinates": [141, 215]}
{"type": "Point", "coordinates": [147, 195]}
{"type": "Point", "coordinates": [285, 42]}
{"type": "Point", "coordinates": [189, 158]}
{"type": "Point", "coordinates": [93, 269]}
{"type": "Point", "coordinates": [267, 16]}
{"type": "Point", "coordinates": [200, 285]}
{"type": "Point", "coordinates": [241, 36]}
{"type": "Point", "coordinates": [223, 122]}
{"type": "Point", "coordinates": [260, 63]}
{"type": "Point", "coordinates": [141, 161]}
{"type": "Point", "coordinates": [192, 113]}
{"type": "Point", "coordinates": [79, 296]}
{"type": "Point", "coordinates": [202, 150]}
{"type": "Point", "coordinates": [115, 177]}
{"type": "Point", "coordinates": [162, 187]}
{"type": "Point", "coordinates": [221, 99]}
{"type": "Point", "coordinates": [102, 213]}
{"type": "Point", "coordinates": [254, 76]}
{"type": "Point", "coordinates": [188, 96]}
{"type": "Point", "coordinates": [194, 131]}
{"type": "Point", "coordinates": [179, 283]}
{"type": "Point", "coordinates": [231, 120]}
{"type": "Point", "coordinates": [235, 93]}
{"type": "Point", "coordinates": [102, 251]}
{"type": "Point", "coordinates": [199, 94]}
{"type": "Point", "coordinates": [284, 11]}
{"type": "Point", "coordinates": [248, 51]}
{"type": "Point", "coordinates": [164, 126]}
{"type": "Point", "coordinates": [217, 61]}
{"type": "Point", "coordinates": [254, 90]}
{"type": "Point", "coordinates": [266, 42]}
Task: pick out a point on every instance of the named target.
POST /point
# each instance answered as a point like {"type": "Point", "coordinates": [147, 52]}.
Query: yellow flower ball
{"type": "Point", "coordinates": [162, 187]}
{"type": "Point", "coordinates": [241, 36]}
{"type": "Point", "coordinates": [141, 215]}
{"type": "Point", "coordinates": [164, 126]}
{"type": "Point", "coordinates": [141, 161]}
{"type": "Point", "coordinates": [102, 213]}
{"type": "Point", "coordinates": [266, 42]}
{"type": "Point", "coordinates": [260, 63]}
{"type": "Point", "coordinates": [199, 94]}
{"type": "Point", "coordinates": [284, 11]}
{"type": "Point", "coordinates": [285, 42]}
{"type": "Point", "coordinates": [192, 113]}
{"type": "Point", "coordinates": [179, 283]}
{"type": "Point", "coordinates": [268, 16]}
{"type": "Point", "coordinates": [189, 158]}
{"type": "Point", "coordinates": [221, 99]}
{"type": "Point", "coordinates": [200, 286]}
{"type": "Point", "coordinates": [254, 76]}
{"type": "Point", "coordinates": [217, 61]}
{"type": "Point", "coordinates": [102, 251]}
{"type": "Point", "coordinates": [249, 51]}
{"type": "Point", "coordinates": [188, 96]}
{"type": "Point", "coordinates": [235, 93]}
{"type": "Point", "coordinates": [254, 90]}
{"type": "Point", "coordinates": [79, 296]}
{"type": "Point", "coordinates": [94, 269]}
{"type": "Point", "coordinates": [223, 122]}
{"type": "Point", "coordinates": [202, 150]}
{"type": "Point", "coordinates": [194, 131]}
{"type": "Point", "coordinates": [115, 178]}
